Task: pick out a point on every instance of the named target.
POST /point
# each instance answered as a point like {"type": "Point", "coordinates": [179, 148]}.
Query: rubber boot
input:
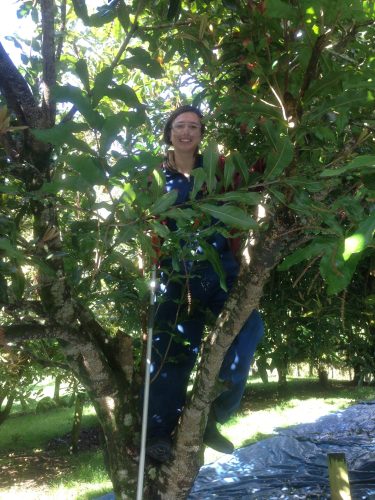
{"type": "Point", "coordinates": [214, 439]}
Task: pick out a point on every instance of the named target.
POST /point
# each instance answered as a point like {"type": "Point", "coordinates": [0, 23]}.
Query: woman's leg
{"type": "Point", "coordinates": [236, 366]}
{"type": "Point", "coordinates": [176, 343]}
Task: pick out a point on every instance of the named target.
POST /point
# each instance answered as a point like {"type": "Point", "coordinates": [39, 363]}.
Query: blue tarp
{"type": "Point", "coordinates": [293, 463]}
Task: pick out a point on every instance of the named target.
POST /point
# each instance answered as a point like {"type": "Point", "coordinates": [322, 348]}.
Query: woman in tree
{"type": "Point", "coordinates": [184, 298]}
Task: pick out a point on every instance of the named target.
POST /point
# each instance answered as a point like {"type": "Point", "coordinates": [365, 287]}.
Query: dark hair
{"type": "Point", "coordinates": [182, 109]}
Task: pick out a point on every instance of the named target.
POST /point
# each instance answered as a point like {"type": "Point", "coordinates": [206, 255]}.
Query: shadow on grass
{"type": "Point", "coordinates": [26, 457]}
{"type": "Point", "coordinates": [260, 396]}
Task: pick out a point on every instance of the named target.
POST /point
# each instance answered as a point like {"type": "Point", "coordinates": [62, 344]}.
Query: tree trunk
{"type": "Point", "coordinates": [281, 373]}
{"type": "Point", "coordinates": [323, 377]}
{"type": "Point", "coordinates": [4, 413]}
{"type": "Point", "coordinates": [357, 377]}
{"type": "Point", "coordinates": [73, 394]}
{"type": "Point", "coordinates": [77, 422]}
{"type": "Point", "coordinates": [56, 392]}
{"type": "Point", "coordinates": [262, 370]}
{"type": "Point", "coordinates": [24, 405]}
{"type": "Point", "coordinates": [263, 375]}
{"type": "Point", "coordinates": [121, 442]}
{"type": "Point", "coordinates": [175, 480]}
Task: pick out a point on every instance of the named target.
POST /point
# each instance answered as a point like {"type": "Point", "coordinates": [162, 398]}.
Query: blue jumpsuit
{"type": "Point", "coordinates": [179, 325]}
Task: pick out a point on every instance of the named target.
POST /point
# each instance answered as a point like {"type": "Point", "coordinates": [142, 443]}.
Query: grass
{"type": "Point", "coordinates": [268, 407]}
{"type": "Point", "coordinates": [31, 471]}
{"type": "Point", "coordinates": [33, 431]}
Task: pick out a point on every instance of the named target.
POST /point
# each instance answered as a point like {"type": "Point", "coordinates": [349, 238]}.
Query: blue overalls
{"type": "Point", "coordinates": [179, 323]}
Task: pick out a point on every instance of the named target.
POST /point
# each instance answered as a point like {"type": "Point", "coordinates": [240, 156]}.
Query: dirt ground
{"type": "Point", "coordinates": [23, 472]}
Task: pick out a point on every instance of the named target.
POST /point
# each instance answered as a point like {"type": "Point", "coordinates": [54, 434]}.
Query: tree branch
{"type": "Point", "coordinates": [48, 55]}
{"type": "Point", "coordinates": [311, 70]}
{"type": "Point", "coordinates": [46, 363]}
{"type": "Point", "coordinates": [125, 43]}
{"type": "Point", "coordinates": [18, 333]}
{"type": "Point", "coordinates": [62, 30]}
{"type": "Point", "coordinates": [25, 306]}
{"type": "Point", "coordinates": [167, 26]}
{"type": "Point", "coordinates": [17, 93]}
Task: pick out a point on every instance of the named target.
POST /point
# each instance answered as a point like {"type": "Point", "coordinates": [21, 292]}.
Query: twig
{"type": "Point", "coordinates": [62, 30]}
{"type": "Point", "coordinates": [342, 308]}
{"type": "Point", "coordinates": [311, 70]}
{"type": "Point", "coordinates": [168, 25]}
{"type": "Point", "coordinates": [309, 265]}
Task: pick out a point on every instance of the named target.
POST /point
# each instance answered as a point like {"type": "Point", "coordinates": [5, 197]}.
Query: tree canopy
{"type": "Point", "coordinates": [287, 89]}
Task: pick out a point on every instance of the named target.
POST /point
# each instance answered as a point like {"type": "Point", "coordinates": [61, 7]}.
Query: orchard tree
{"type": "Point", "coordinates": [288, 89]}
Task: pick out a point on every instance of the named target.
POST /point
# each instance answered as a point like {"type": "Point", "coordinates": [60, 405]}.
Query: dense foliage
{"type": "Point", "coordinates": [288, 91]}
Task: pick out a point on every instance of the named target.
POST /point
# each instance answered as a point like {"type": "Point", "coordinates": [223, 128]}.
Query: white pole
{"type": "Point", "coordinates": [142, 452]}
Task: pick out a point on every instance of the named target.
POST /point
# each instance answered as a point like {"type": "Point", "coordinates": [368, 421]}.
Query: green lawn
{"type": "Point", "coordinates": [32, 470]}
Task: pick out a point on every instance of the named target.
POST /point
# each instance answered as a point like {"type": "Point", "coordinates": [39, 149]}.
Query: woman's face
{"type": "Point", "coordinates": [186, 132]}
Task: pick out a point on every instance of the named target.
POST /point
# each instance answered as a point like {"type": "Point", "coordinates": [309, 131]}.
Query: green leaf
{"type": "Point", "coordinates": [124, 93]}
{"type": "Point", "coordinates": [266, 110]}
{"type": "Point", "coordinates": [200, 178]}
{"type": "Point", "coordinates": [80, 9]}
{"type": "Point", "coordinates": [210, 163]}
{"type": "Point", "coordinates": [316, 247]}
{"type": "Point", "coordinates": [359, 163]}
{"type": "Point", "coordinates": [126, 233]}
{"type": "Point", "coordinates": [102, 81]}
{"type": "Point", "coordinates": [42, 266]}
{"type": "Point", "coordinates": [18, 283]}
{"type": "Point", "coordinates": [326, 85]}
{"type": "Point", "coordinates": [127, 165]}
{"type": "Point", "coordinates": [10, 189]}
{"type": "Point", "coordinates": [213, 258]}
{"type": "Point", "coordinates": [83, 73]}
{"type": "Point", "coordinates": [161, 230]}
{"type": "Point", "coordinates": [230, 215]}
{"type": "Point", "coordinates": [241, 197]}
{"type": "Point", "coordinates": [342, 104]}
{"type": "Point", "coordinates": [69, 93]}
{"type": "Point", "coordinates": [271, 132]}
{"type": "Point", "coordinates": [4, 299]}
{"type": "Point", "coordinates": [229, 170]}
{"type": "Point", "coordinates": [88, 168]}
{"type": "Point", "coordinates": [335, 271]}
{"type": "Point", "coordinates": [241, 166]}
{"type": "Point", "coordinates": [186, 214]}
{"type": "Point", "coordinates": [279, 159]}
{"type": "Point", "coordinates": [105, 14]}
{"type": "Point", "coordinates": [156, 183]}
{"type": "Point", "coordinates": [114, 124]}
{"type": "Point", "coordinates": [174, 10]}
{"type": "Point", "coordinates": [10, 250]}
{"type": "Point", "coordinates": [73, 183]}
{"type": "Point", "coordinates": [367, 179]}
{"type": "Point", "coordinates": [231, 5]}
{"type": "Point", "coordinates": [142, 60]}
{"type": "Point", "coordinates": [123, 12]}
{"type": "Point", "coordinates": [128, 193]}
{"type": "Point", "coordinates": [361, 239]}
{"type": "Point", "coordinates": [62, 134]}
{"type": "Point", "coordinates": [280, 10]}
{"type": "Point", "coordinates": [303, 182]}
{"type": "Point", "coordinates": [163, 203]}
